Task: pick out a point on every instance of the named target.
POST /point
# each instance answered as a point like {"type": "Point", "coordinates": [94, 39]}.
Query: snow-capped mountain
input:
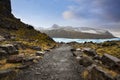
{"type": "Point", "coordinates": [76, 32]}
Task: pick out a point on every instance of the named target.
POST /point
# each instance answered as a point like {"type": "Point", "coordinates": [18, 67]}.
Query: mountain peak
{"type": "Point", "coordinates": [55, 26]}
{"type": "Point", "coordinates": [77, 32]}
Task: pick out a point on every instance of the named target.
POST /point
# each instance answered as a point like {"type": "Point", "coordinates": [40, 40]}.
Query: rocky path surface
{"type": "Point", "coordinates": [59, 64]}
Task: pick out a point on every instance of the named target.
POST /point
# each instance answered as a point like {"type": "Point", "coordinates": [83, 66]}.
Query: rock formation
{"type": "Point", "coordinates": [5, 7]}
{"type": "Point", "coordinates": [106, 67]}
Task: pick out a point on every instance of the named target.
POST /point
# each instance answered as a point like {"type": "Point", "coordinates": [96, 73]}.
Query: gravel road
{"type": "Point", "coordinates": [58, 64]}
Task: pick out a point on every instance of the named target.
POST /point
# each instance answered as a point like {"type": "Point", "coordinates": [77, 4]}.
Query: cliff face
{"type": "Point", "coordinates": [5, 7]}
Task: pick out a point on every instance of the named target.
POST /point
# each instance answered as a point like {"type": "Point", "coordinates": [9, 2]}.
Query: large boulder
{"type": "Point", "coordinates": [85, 61]}
{"type": "Point", "coordinates": [111, 61]}
{"type": "Point", "coordinates": [5, 7]}
{"type": "Point", "coordinates": [89, 51]}
{"type": "Point", "coordinates": [97, 73]}
{"type": "Point", "coordinates": [9, 48]}
{"type": "Point", "coordinates": [15, 59]}
{"type": "Point", "coordinates": [7, 74]}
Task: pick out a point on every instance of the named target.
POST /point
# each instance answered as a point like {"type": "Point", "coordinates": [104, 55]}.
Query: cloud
{"type": "Point", "coordinates": [100, 10]}
{"type": "Point", "coordinates": [68, 15]}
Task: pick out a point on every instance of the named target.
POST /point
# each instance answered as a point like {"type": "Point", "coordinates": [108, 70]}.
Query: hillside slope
{"type": "Point", "coordinates": [10, 26]}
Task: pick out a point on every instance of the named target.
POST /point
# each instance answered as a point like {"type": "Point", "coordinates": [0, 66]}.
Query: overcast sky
{"type": "Point", "coordinates": [78, 13]}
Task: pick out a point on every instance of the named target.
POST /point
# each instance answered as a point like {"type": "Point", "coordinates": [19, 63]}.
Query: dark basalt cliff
{"type": "Point", "coordinates": [5, 7]}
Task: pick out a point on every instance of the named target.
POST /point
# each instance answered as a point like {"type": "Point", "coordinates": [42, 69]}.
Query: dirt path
{"type": "Point", "coordinates": [59, 64]}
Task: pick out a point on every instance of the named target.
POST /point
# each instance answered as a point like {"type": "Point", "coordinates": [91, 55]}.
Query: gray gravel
{"type": "Point", "coordinates": [59, 64]}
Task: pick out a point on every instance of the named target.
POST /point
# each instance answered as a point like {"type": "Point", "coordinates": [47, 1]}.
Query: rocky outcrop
{"type": "Point", "coordinates": [99, 74]}
{"type": "Point", "coordinates": [2, 53]}
{"type": "Point", "coordinates": [96, 67]}
{"type": "Point", "coordinates": [7, 74]}
{"type": "Point", "coordinates": [111, 61]}
{"type": "Point", "coordinates": [5, 7]}
{"type": "Point", "coordinates": [89, 52]}
{"type": "Point", "coordinates": [9, 49]}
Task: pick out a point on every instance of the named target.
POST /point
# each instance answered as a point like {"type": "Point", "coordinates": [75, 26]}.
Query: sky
{"type": "Point", "coordinates": [77, 13]}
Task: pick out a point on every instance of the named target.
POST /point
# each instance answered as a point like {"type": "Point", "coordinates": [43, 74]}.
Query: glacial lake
{"type": "Point", "coordinates": [67, 40]}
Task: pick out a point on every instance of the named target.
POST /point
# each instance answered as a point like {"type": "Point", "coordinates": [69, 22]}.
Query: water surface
{"type": "Point", "coordinates": [66, 40]}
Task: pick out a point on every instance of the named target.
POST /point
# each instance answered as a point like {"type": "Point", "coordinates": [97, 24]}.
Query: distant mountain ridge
{"type": "Point", "coordinates": [77, 32]}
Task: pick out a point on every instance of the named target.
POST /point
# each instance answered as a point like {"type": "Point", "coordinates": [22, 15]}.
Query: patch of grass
{"type": "Point", "coordinates": [112, 50]}
{"type": "Point", "coordinates": [4, 65]}
{"type": "Point", "coordinates": [27, 52]}
{"type": "Point", "coordinates": [25, 32]}
{"type": "Point", "coordinates": [85, 74]}
{"type": "Point", "coordinates": [110, 47]}
{"type": "Point", "coordinates": [9, 66]}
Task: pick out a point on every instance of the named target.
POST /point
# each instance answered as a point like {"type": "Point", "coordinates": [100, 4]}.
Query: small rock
{"type": "Point", "coordinates": [22, 67]}
{"type": "Point", "coordinates": [78, 58]}
{"type": "Point", "coordinates": [48, 50]}
{"type": "Point", "coordinates": [97, 57]}
{"type": "Point", "coordinates": [40, 53]}
{"type": "Point", "coordinates": [36, 48]}
{"type": "Point", "coordinates": [16, 46]}
{"type": "Point", "coordinates": [37, 73]}
{"type": "Point", "coordinates": [73, 49]}
{"type": "Point", "coordinates": [29, 60]}
{"type": "Point", "coordinates": [2, 53]}
{"type": "Point", "coordinates": [35, 61]}
{"type": "Point", "coordinates": [28, 63]}
{"type": "Point", "coordinates": [77, 53]}
{"type": "Point", "coordinates": [2, 38]}
{"type": "Point", "coordinates": [78, 49]}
